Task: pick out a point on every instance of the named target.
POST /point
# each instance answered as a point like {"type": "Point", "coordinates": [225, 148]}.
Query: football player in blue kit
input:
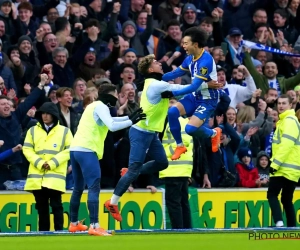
{"type": "Point", "coordinates": [200, 98]}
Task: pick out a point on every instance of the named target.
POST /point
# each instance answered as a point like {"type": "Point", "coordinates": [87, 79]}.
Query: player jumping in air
{"type": "Point", "coordinates": [199, 101]}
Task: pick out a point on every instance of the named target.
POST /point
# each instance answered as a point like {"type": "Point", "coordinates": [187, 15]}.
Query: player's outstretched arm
{"type": "Point", "coordinates": [180, 71]}
{"type": "Point", "coordinates": [157, 87]}
{"type": "Point", "coordinates": [102, 111]}
{"type": "Point", "coordinates": [196, 83]}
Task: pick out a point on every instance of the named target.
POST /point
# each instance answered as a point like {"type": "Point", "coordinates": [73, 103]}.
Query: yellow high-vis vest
{"type": "Point", "coordinates": [156, 113]}
{"type": "Point", "coordinates": [53, 148]}
{"type": "Point", "coordinates": [182, 167]}
{"type": "Point", "coordinates": [286, 147]}
{"type": "Point", "coordinates": [90, 135]}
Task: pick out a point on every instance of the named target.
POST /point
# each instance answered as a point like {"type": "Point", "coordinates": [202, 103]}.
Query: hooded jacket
{"type": "Point", "coordinates": [45, 149]}
{"type": "Point", "coordinates": [50, 108]}
{"type": "Point", "coordinates": [263, 172]}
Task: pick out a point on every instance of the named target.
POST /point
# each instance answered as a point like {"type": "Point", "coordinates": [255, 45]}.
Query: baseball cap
{"type": "Point", "coordinates": [235, 31]}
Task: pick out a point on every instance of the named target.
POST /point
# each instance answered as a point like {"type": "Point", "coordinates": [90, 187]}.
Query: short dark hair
{"type": "Point", "coordinates": [259, 9]}
{"type": "Point", "coordinates": [106, 88]}
{"type": "Point", "coordinates": [99, 71]}
{"type": "Point", "coordinates": [259, 25]}
{"type": "Point", "coordinates": [142, 11]}
{"type": "Point", "coordinates": [271, 89]}
{"type": "Point", "coordinates": [207, 20]}
{"type": "Point", "coordinates": [285, 96]}
{"type": "Point", "coordinates": [197, 36]}
{"type": "Point", "coordinates": [92, 22]}
{"type": "Point", "coordinates": [128, 66]}
{"type": "Point", "coordinates": [61, 23]}
{"type": "Point", "coordinates": [173, 22]}
{"type": "Point", "coordinates": [270, 61]}
{"type": "Point", "coordinates": [282, 13]}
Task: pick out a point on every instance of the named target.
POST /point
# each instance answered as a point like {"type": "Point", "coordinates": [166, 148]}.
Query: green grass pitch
{"type": "Point", "coordinates": [214, 241]}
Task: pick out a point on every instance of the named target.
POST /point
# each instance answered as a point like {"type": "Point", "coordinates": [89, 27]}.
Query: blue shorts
{"type": "Point", "coordinates": [203, 109]}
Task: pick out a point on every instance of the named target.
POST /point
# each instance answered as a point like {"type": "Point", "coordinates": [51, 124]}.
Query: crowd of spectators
{"type": "Point", "coordinates": [81, 44]}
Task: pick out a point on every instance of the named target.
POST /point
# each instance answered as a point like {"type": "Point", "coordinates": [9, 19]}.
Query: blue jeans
{"type": "Point", "coordinates": [86, 170]}
{"type": "Point", "coordinates": [141, 144]}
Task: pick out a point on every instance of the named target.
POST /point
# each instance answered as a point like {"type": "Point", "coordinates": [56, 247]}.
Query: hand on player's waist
{"type": "Point", "coordinates": [214, 85]}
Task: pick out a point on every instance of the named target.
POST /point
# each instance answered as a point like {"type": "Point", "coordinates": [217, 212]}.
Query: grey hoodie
{"type": "Point", "coordinates": [263, 172]}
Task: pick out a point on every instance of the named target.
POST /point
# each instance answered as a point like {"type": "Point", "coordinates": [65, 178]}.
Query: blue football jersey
{"type": "Point", "coordinates": [203, 67]}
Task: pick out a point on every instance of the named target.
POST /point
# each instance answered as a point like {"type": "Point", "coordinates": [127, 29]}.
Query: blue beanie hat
{"type": "Point", "coordinates": [129, 50]}
{"type": "Point", "coordinates": [244, 152]}
{"type": "Point", "coordinates": [256, 63]}
{"type": "Point", "coordinates": [189, 6]}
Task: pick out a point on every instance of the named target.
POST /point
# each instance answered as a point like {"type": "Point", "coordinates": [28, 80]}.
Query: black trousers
{"type": "Point", "coordinates": [277, 184]}
{"type": "Point", "coordinates": [177, 202]}
{"type": "Point", "coordinates": [42, 198]}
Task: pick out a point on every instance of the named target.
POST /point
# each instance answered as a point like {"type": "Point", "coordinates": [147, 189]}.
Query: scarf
{"type": "Point", "coordinates": [275, 85]}
{"type": "Point", "coordinates": [141, 30]}
{"type": "Point", "coordinates": [226, 91]}
{"type": "Point", "coordinates": [233, 53]}
{"type": "Point", "coordinates": [260, 47]}
{"type": "Point", "coordinates": [250, 166]}
{"type": "Point", "coordinates": [268, 143]}
{"type": "Point", "coordinates": [224, 158]}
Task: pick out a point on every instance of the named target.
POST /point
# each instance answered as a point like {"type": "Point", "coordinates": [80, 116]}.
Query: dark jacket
{"type": "Point", "coordinates": [140, 40]}
{"type": "Point", "coordinates": [224, 157]}
{"type": "Point", "coordinates": [8, 77]}
{"type": "Point", "coordinates": [74, 119]}
{"type": "Point", "coordinates": [23, 29]}
{"type": "Point", "coordinates": [200, 163]}
{"type": "Point", "coordinates": [64, 77]}
{"type": "Point", "coordinates": [10, 127]}
{"type": "Point", "coordinates": [243, 13]}
{"type": "Point", "coordinates": [5, 42]}
{"type": "Point", "coordinates": [167, 44]}
{"type": "Point", "coordinates": [32, 68]}
{"type": "Point", "coordinates": [87, 72]}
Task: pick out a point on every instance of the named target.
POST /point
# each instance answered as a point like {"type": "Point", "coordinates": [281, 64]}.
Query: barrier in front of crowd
{"type": "Point", "coordinates": [214, 208]}
{"type": "Point", "coordinates": [140, 209]}
{"type": "Point", "coordinates": [234, 208]}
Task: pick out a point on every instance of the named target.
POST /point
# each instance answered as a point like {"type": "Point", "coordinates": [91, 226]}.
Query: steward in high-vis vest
{"type": "Point", "coordinates": [46, 147]}
{"type": "Point", "coordinates": [285, 163]}
{"type": "Point", "coordinates": [176, 178]}
{"type": "Point", "coordinates": [87, 149]}
{"type": "Point", "coordinates": [144, 135]}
